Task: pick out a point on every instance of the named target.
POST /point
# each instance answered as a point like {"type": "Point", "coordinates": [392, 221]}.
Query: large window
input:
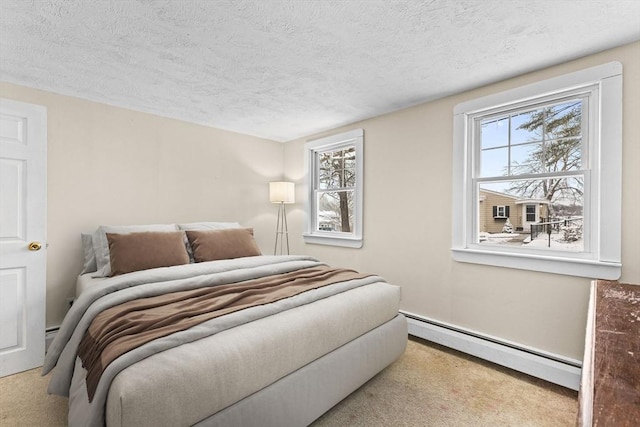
{"type": "Point", "coordinates": [334, 178]}
{"type": "Point", "coordinates": [537, 152]}
{"type": "Point", "coordinates": [551, 153]}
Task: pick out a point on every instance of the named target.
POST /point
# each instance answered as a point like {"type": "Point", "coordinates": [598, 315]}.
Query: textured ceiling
{"type": "Point", "coordinates": [282, 69]}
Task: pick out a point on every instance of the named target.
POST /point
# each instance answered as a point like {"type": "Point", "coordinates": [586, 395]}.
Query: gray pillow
{"type": "Point", "coordinates": [101, 245]}
{"type": "Point", "coordinates": [88, 253]}
{"type": "Point", "coordinates": [208, 225]}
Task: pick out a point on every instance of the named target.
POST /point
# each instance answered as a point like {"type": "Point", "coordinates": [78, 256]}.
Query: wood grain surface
{"type": "Point", "coordinates": [616, 370]}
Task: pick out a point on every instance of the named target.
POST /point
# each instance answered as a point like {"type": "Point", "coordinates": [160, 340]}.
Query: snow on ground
{"type": "Point", "coordinates": [540, 242]}
{"type": "Point", "coordinates": [497, 238]}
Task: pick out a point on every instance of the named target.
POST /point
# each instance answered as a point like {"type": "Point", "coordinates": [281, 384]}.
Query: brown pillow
{"type": "Point", "coordinates": [141, 251]}
{"type": "Point", "coordinates": [211, 245]}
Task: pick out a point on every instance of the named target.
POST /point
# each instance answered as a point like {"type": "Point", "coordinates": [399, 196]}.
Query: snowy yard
{"type": "Point", "coordinates": [524, 239]}
{"type": "Point", "coordinates": [498, 238]}
{"type": "Point", "coordinates": [557, 243]}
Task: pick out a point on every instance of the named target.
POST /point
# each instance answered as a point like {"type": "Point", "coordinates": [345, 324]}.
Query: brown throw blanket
{"type": "Point", "coordinates": [127, 326]}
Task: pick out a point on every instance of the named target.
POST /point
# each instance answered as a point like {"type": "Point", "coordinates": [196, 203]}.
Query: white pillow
{"type": "Point", "coordinates": [101, 245]}
{"type": "Point", "coordinates": [198, 226]}
{"type": "Point", "coordinates": [89, 255]}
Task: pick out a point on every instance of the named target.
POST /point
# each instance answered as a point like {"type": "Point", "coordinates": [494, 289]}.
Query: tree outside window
{"type": "Point", "coordinates": [336, 189]}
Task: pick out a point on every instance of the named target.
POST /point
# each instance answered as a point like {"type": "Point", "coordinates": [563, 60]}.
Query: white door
{"type": "Point", "coordinates": [23, 138]}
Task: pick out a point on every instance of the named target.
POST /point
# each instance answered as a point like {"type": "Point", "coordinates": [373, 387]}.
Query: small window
{"type": "Point", "coordinates": [531, 213]}
{"type": "Point", "coordinates": [501, 211]}
{"type": "Point", "coordinates": [334, 178]}
{"type": "Point", "coordinates": [552, 150]}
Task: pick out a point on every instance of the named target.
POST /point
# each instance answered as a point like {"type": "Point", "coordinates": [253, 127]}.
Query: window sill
{"type": "Point", "coordinates": [333, 240]}
{"type": "Point", "coordinates": [590, 268]}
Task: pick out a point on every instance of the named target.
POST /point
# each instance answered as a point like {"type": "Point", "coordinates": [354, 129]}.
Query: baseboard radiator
{"type": "Point", "coordinates": [547, 366]}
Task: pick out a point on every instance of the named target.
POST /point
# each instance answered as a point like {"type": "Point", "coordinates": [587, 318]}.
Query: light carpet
{"type": "Point", "coordinates": [429, 385]}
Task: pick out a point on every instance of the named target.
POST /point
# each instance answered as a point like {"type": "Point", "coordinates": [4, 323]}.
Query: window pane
{"type": "Point", "coordinates": [526, 127]}
{"type": "Point", "coordinates": [538, 213]}
{"type": "Point", "coordinates": [337, 169]}
{"type": "Point", "coordinates": [335, 211]}
{"type": "Point", "coordinates": [494, 162]}
{"type": "Point", "coordinates": [527, 158]}
{"type": "Point", "coordinates": [543, 140]}
{"type": "Point", "coordinates": [564, 154]}
{"type": "Point", "coordinates": [494, 133]}
{"type": "Point", "coordinates": [564, 120]}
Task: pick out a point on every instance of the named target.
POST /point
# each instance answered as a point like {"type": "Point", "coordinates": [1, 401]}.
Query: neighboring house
{"type": "Point", "coordinates": [328, 221]}
{"type": "Point", "coordinates": [496, 207]}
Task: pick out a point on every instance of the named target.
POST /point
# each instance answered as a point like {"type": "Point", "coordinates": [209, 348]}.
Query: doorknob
{"type": "Point", "coordinates": [35, 246]}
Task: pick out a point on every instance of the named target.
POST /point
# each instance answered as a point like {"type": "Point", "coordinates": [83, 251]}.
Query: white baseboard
{"type": "Point", "coordinates": [547, 366]}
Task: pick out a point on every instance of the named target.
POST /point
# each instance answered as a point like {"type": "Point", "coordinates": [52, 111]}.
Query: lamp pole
{"type": "Point", "coordinates": [282, 229]}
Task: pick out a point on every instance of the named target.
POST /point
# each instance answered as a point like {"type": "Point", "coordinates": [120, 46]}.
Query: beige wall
{"type": "Point", "coordinates": [110, 165]}
{"type": "Point", "coordinates": [407, 225]}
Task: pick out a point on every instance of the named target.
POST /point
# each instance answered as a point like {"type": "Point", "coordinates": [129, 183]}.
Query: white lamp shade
{"type": "Point", "coordinates": [282, 192]}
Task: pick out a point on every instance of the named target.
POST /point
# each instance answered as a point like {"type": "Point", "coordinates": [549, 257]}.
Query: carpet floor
{"type": "Point", "coordinates": [429, 385]}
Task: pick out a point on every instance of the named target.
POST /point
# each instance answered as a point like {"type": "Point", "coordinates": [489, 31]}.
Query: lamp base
{"type": "Point", "coordinates": [282, 231]}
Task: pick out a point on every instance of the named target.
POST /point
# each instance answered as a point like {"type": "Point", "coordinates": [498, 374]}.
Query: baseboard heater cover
{"type": "Point", "coordinates": [553, 368]}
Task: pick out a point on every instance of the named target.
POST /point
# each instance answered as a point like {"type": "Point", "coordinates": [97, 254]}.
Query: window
{"type": "Point", "coordinates": [530, 213]}
{"type": "Point", "coordinates": [334, 180]}
{"type": "Point", "coordinates": [553, 150]}
{"type": "Point", "coordinates": [501, 211]}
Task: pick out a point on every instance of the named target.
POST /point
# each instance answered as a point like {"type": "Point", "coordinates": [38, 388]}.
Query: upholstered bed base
{"type": "Point", "coordinates": [304, 395]}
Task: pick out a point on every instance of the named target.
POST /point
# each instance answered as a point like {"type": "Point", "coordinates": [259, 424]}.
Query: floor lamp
{"type": "Point", "coordinates": [283, 193]}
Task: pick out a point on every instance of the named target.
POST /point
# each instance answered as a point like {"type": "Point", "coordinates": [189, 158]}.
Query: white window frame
{"type": "Point", "coordinates": [312, 149]}
{"type": "Point", "coordinates": [601, 257]}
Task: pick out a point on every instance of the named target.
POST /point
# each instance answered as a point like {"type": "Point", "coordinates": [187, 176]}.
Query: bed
{"type": "Point", "coordinates": [290, 339]}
